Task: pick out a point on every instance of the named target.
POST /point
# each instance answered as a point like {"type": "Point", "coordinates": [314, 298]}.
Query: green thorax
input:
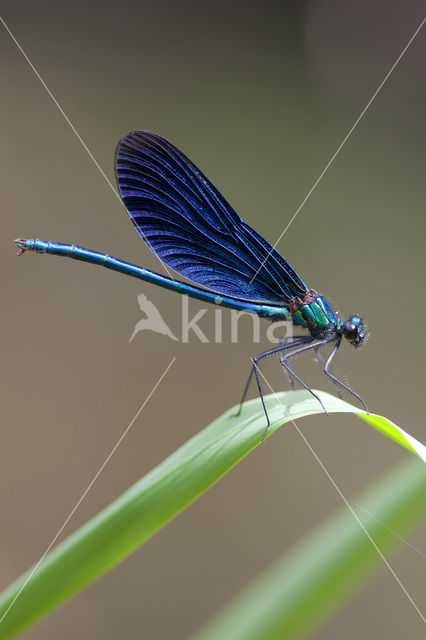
{"type": "Point", "coordinates": [314, 313]}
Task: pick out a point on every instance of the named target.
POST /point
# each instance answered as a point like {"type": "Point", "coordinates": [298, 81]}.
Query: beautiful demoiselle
{"type": "Point", "coordinates": [192, 229]}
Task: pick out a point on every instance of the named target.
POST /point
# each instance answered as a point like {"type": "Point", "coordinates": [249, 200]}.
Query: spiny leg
{"type": "Point", "coordinates": [256, 372]}
{"type": "Point", "coordinates": [336, 380]}
{"type": "Point", "coordinates": [290, 377]}
{"type": "Point", "coordinates": [268, 424]}
{"type": "Point", "coordinates": [321, 359]}
{"type": "Point", "coordinates": [296, 342]}
{"type": "Point", "coordinates": [291, 380]}
{"type": "Point", "coordinates": [284, 359]}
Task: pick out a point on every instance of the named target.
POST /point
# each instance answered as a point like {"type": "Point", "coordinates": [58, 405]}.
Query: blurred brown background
{"type": "Point", "coordinates": [259, 95]}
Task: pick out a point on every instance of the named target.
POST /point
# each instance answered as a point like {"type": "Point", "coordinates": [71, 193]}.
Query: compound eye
{"type": "Point", "coordinates": [350, 331]}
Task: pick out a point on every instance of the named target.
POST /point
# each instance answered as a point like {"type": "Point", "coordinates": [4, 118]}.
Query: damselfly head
{"type": "Point", "coordinates": [355, 330]}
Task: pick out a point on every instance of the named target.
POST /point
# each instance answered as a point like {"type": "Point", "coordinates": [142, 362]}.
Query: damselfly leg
{"type": "Point", "coordinates": [316, 345]}
{"type": "Point", "coordinates": [290, 377]}
{"type": "Point", "coordinates": [336, 381]}
{"type": "Point", "coordinates": [296, 341]}
{"type": "Point", "coordinates": [321, 359]}
{"type": "Point", "coordinates": [339, 382]}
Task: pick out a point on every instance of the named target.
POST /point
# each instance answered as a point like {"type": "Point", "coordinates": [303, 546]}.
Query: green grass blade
{"type": "Point", "coordinates": [303, 588]}
{"type": "Point", "coordinates": [149, 504]}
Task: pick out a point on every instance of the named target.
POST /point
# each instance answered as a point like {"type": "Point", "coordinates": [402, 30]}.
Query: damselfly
{"type": "Point", "coordinates": [190, 226]}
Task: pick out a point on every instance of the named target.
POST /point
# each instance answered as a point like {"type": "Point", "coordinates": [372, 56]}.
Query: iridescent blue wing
{"type": "Point", "coordinates": [192, 228]}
